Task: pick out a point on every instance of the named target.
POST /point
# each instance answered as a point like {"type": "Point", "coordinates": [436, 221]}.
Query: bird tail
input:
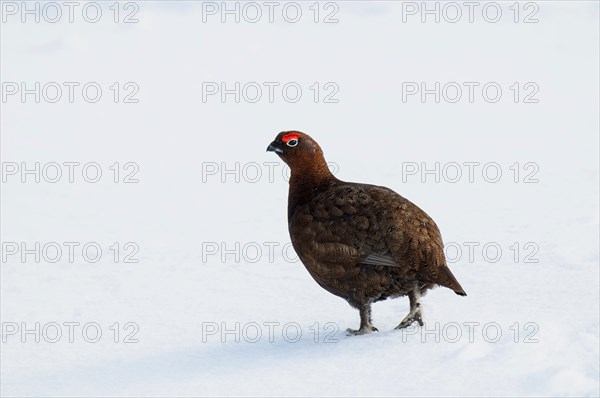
{"type": "Point", "coordinates": [447, 279]}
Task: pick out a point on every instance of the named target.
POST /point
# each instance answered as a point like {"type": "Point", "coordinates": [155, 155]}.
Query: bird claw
{"type": "Point", "coordinates": [410, 319]}
{"type": "Point", "coordinates": [361, 331]}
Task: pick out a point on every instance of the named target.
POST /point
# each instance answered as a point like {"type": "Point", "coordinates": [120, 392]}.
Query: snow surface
{"type": "Point", "coordinates": [182, 298]}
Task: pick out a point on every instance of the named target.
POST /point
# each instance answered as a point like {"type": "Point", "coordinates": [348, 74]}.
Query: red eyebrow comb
{"type": "Point", "coordinates": [290, 136]}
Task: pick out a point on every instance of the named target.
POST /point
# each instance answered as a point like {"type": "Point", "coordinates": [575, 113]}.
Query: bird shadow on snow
{"type": "Point", "coordinates": [200, 362]}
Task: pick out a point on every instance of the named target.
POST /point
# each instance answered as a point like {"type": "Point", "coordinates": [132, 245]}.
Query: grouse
{"type": "Point", "coordinates": [363, 243]}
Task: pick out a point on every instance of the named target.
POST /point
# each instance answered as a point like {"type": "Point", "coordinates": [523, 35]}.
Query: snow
{"type": "Point", "coordinates": [214, 251]}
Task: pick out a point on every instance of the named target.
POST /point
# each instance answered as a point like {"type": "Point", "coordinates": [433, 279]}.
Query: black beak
{"type": "Point", "coordinates": [274, 148]}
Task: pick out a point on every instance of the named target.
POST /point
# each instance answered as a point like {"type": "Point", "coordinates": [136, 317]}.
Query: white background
{"type": "Point", "coordinates": [177, 290]}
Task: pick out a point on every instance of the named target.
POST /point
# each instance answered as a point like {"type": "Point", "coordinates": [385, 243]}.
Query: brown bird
{"type": "Point", "coordinates": [364, 243]}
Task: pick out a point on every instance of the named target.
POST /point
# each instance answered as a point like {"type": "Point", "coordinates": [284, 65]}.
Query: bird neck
{"type": "Point", "coordinates": [306, 180]}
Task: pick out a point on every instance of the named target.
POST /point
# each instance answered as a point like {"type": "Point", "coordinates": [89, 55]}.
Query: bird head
{"type": "Point", "coordinates": [297, 149]}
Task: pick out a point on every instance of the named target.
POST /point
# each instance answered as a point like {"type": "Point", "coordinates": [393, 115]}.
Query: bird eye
{"type": "Point", "coordinates": [293, 142]}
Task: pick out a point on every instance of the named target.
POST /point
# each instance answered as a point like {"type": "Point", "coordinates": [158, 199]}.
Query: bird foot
{"type": "Point", "coordinates": [361, 331]}
{"type": "Point", "coordinates": [410, 319]}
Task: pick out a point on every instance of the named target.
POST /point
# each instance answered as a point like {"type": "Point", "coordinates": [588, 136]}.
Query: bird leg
{"type": "Point", "coordinates": [365, 322]}
{"type": "Point", "coordinates": [414, 297]}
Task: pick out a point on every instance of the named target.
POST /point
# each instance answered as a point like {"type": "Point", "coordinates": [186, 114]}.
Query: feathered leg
{"type": "Point", "coordinates": [414, 297]}
{"type": "Point", "coordinates": [365, 322]}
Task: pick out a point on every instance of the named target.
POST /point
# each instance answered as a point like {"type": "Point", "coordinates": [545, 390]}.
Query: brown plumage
{"type": "Point", "coordinates": [364, 243]}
